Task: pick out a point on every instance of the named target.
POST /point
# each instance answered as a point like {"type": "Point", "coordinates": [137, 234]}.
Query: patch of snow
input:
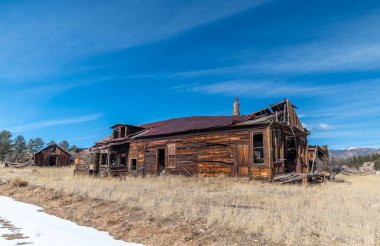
{"type": "Point", "coordinates": [44, 229]}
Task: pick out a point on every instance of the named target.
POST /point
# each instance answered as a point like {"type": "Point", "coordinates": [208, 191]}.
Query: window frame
{"type": "Point", "coordinates": [123, 156]}
{"type": "Point", "coordinates": [116, 133]}
{"type": "Point", "coordinates": [254, 148]}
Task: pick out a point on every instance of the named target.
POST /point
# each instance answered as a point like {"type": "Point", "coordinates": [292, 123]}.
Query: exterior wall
{"type": "Point", "coordinates": [83, 161]}
{"type": "Point", "coordinates": [208, 154]}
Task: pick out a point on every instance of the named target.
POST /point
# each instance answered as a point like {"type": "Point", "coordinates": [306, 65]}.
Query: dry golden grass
{"type": "Point", "coordinates": [340, 213]}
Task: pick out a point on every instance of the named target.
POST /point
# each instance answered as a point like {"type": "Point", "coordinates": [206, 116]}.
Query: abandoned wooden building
{"type": "Point", "coordinates": [260, 145]}
{"type": "Point", "coordinates": [51, 156]}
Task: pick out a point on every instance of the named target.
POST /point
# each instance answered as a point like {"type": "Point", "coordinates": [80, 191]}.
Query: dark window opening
{"type": "Point", "coordinates": [258, 149]}
{"type": "Point", "coordinates": [103, 159]}
{"type": "Point", "coordinates": [122, 132]}
{"type": "Point", "coordinates": [133, 165]}
{"type": "Point", "coordinates": [113, 159]}
{"type": "Point", "coordinates": [116, 133]}
{"type": "Point", "coordinates": [123, 160]}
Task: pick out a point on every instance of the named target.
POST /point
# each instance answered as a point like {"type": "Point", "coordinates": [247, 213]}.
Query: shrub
{"type": "Point", "coordinates": [18, 182]}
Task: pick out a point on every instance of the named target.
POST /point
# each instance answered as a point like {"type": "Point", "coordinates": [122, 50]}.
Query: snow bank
{"type": "Point", "coordinates": [44, 229]}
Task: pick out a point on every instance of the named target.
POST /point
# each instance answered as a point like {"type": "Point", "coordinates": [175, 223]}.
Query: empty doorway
{"type": "Point", "coordinates": [161, 162]}
{"type": "Point", "coordinates": [52, 161]}
{"type": "Point", "coordinates": [291, 155]}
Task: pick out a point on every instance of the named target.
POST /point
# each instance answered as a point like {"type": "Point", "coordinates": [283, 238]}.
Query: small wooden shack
{"type": "Point", "coordinates": [259, 145]}
{"type": "Point", "coordinates": [52, 156]}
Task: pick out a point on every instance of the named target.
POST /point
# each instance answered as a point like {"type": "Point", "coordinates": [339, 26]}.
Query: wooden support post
{"type": "Point", "coordinates": [108, 161]}
{"type": "Point", "coordinates": [298, 160]}
{"type": "Point", "coordinates": [315, 155]}
{"type": "Point", "coordinates": [268, 159]}
{"type": "Point", "coordinates": [144, 164]}
{"type": "Point", "coordinates": [304, 181]}
{"type": "Point", "coordinates": [251, 156]}
{"type": "Point", "coordinates": [235, 159]}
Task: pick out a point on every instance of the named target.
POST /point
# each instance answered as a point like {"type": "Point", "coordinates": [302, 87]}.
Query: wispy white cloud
{"type": "Point", "coordinates": [33, 47]}
{"type": "Point", "coordinates": [256, 88]}
{"type": "Point", "coordinates": [57, 122]}
{"type": "Point", "coordinates": [350, 45]}
{"type": "Point", "coordinates": [305, 58]}
{"type": "Point", "coordinates": [325, 127]}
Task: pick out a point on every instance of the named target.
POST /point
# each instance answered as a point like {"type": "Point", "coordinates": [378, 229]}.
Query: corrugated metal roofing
{"type": "Point", "coordinates": [191, 124]}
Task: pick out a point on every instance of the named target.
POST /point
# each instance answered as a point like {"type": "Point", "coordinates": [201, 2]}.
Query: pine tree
{"type": "Point", "coordinates": [35, 145]}
{"type": "Point", "coordinates": [5, 144]}
{"type": "Point", "coordinates": [64, 145]}
{"type": "Point", "coordinates": [19, 147]}
{"type": "Point", "coordinates": [52, 142]}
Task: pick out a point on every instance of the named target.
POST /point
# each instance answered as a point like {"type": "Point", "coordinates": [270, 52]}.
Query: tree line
{"type": "Point", "coordinates": [17, 148]}
{"type": "Point", "coordinates": [357, 161]}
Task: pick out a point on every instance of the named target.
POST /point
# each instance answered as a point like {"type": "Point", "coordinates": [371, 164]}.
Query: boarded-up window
{"type": "Point", "coordinates": [172, 159]}
{"type": "Point", "coordinates": [276, 145]}
{"type": "Point", "coordinates": [258, 148]}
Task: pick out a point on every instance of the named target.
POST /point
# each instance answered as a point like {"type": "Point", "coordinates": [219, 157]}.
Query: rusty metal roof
{"type": "Point", "coordinates": [191, 124]}
{"type": "Point", "coordinates": [198, 123]}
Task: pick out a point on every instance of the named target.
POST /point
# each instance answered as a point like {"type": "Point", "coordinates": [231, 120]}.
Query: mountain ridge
{"type": "Point", "coordinates": [353, 151]}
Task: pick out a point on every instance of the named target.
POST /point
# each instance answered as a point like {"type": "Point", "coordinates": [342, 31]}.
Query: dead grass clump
{"type": "Point", "coordinates": [18, 182]}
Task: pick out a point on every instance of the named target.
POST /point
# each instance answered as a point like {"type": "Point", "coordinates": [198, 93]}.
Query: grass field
{"type": "Point", "coordinates": [222, 210]}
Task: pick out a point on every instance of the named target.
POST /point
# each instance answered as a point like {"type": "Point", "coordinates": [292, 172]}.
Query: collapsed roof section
{"type": "Point", "coordinates": [283, 112]}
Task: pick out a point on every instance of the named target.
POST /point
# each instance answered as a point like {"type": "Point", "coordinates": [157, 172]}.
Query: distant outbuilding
{"type": "Point", "coordinates": [52, 156]}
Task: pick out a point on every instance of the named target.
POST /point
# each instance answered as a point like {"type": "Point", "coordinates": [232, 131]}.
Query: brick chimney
{"type": "Point", "coordinates": [236, 107]}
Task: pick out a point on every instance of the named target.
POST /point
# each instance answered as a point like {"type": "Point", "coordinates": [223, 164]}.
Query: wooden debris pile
{"type": "Point", "coordinates": [25, 161]}
{"type": "Point", "coordinates": [293, 178]}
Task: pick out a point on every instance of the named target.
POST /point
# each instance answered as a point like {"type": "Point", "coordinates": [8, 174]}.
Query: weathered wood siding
{"type": "Point", "coordinates": [82, 162]}
{"type": "Point", "coordinates": [208, 154]}
{"type": "Point", "coordinates": [43, 158]}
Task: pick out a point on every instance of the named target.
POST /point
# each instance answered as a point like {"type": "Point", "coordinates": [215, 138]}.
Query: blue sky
{"type": "Point", "coordinates": [71, 69]}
